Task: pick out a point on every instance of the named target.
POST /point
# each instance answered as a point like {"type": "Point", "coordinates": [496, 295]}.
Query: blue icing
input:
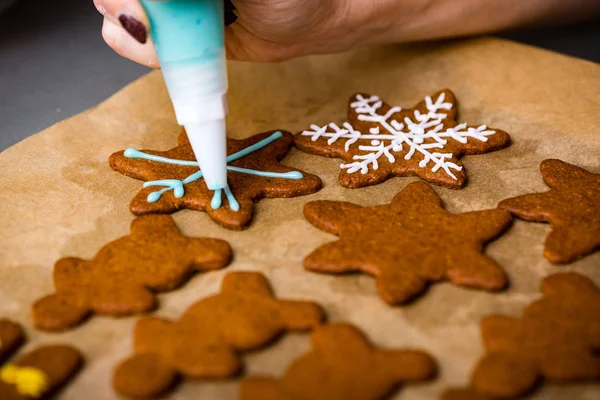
{"type": "Point", "coordinates": [133, 153]}
{"type": "Point", "coordinates": [193, 178]}
{"type": "Point", "coordinates": [172, 184]}
{"type": "Point", "coordinates": [178, 185]}
{"type": "Point", "coordinates": [233, 204]}
{"type": "Point", "coordinates": [186, 29]}
{"type": "Point", "coordinates": [155, 196]}
{"type": "Point", "coordinates": [286, 175]}
{"type": "Point", "coordinates": [254, 147]}
{"type": "Point", "coordinates": [216, 200]}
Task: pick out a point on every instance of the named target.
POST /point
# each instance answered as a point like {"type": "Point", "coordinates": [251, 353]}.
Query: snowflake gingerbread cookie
{"type": "Point", "coordinates": [380, 141]}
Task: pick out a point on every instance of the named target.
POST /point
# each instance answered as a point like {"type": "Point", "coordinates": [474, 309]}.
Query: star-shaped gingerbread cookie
{"type": "Point", "coordinates": [342, 365]}
{"type": "Point", "coordinates": [254, 173]}
{"type": "Point", "coordinates": [557, 338]}
{"type": "Point", "coordinates": [125, 274]}
{"type": "Point", "coordinates": [408, 243]}
{"type": "Point", "coordinates": [380, 141]}
{"type": "Point", "coordinates": [205, 342]}
{"type": "Point", "coordinates": [571, 206]}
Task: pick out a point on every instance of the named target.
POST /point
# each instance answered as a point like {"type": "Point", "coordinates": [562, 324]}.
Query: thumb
{"type": "Point", "coordinates": [126, 29]}
{"type": "Point", "coordinates": [127, 13]}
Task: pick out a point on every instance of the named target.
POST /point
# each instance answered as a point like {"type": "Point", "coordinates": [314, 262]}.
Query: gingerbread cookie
{"type": "Point", "coordinates": [557, 338]}
{"type": "Point", "coordinates": [254, 173]}
{"type": "Point", "coordinates": [123, 276]}
{"type": "Point", "coordinates": [463, 394]}
{"type": "Point", "coordinates": [571, 206]}
{"type": "Point", "coordinates": [342, 365]}
{"type": "Point", "coordinates": [38, 374]}
{"type": "Point", "coordinates": [408, 243]}
{"type": "Point", "coordinates": [206, 341]}
{"type": "Point", "coordinates": [381, 141]}
{"type": "Point", "coordinates": [11, 337]}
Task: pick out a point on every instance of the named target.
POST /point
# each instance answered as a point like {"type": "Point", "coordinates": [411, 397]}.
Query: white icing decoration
{"type": "Point", "coordinates": [410, 132]}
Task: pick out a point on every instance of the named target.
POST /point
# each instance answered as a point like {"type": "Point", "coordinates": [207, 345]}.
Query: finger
{"type": "Point", "coordinates": [125, 45]}
{"type": "Point", "coordinates": [242, 45]}
{"type": "Point", "coordinates": [100, 7]}
{"type": "Point", "coordinates": [127, 13]}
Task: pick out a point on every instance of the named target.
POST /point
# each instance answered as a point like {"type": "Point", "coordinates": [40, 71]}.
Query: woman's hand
{"type": "Point", "coordinates": [265, 30]}
{"type": "Point", "coordinates": [273, 30]}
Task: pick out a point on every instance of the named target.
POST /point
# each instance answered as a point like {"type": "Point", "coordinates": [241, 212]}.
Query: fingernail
{"type": "Point", "coordinates": [101, 9]}
{"type": "Point", "coordinates": [134, 27]}
{"type": "Point", "coordinates": [228, 5]}
{"type": "Point", "coordinates": [230, 18]}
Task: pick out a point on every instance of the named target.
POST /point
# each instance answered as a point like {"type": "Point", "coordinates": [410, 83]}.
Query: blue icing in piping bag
{"type": "Point", "coordinates": [189, 40]}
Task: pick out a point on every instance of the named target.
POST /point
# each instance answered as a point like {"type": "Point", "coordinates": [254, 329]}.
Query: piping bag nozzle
{"type": "Point", "coordinates": [209, 142]}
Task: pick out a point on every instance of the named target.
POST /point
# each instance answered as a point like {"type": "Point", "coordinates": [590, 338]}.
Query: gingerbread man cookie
{"type": "Point", "coordinates": [206, 341]}
{"type": "Point", "coordinates": [342, 365]}
{"type": "Point", "coordinates": [571, 206]}
{"type": "Point", "coordinates": [557, 338]}
{"type": "Point", "coordinates": [380, 141]}
{"type": "Point", "coordinates": [463, 394]}
{"type": "Point", "coordinates": [123, 276]}
{"type": "Point", "coordinates": [254, 173]}
{"type": "Point", "coordinates": [408, 243]}
{"type": "Point", "coordinates": [37, 374]}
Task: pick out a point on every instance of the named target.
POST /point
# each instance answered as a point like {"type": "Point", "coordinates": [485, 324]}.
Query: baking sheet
{"type": "Point", "coordinates": [59, 198]}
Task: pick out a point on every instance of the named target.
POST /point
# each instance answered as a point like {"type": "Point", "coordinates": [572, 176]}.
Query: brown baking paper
{"type": "Point", "coordinates": [60, 198]}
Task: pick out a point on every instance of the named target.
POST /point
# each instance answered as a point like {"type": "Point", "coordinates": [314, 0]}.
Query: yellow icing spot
{"type": "Point", "coordinates": [29, 381]}
{"type": "Point", "coordinates": [8, 373]}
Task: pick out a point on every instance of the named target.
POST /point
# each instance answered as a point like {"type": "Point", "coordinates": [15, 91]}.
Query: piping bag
{"type": "Point", "coordinates": [189, 39]}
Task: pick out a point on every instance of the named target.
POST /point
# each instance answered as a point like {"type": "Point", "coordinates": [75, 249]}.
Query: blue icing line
{"type": "Point", "coordinates": [193, 178]}
{"type": "Point", "coordinates": [174, 184]}
{"type": "Point", "coordinates": [285, 175]}
{"type": "Point", "coordinates": [233, 204]}
{"type": "Point", "coordinates": [133, 153]}
{"type": "Point", "coordinates": [254, 147]}
{"type": "Point", "coordinates": [216, 202]}
{"type": "Point", "coordinates": [155, 196]}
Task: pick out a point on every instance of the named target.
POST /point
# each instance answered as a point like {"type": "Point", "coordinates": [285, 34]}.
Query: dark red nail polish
{"type": "Point", "coordinates": [134, 27]}
{"type": "Point", "coordinates": [228, 5]}
{"type": "Point", "coordinates": [230, 18]}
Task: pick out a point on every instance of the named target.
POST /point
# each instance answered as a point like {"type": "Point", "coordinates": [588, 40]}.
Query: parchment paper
{"type": "Point", "coordinates": [58, 197]}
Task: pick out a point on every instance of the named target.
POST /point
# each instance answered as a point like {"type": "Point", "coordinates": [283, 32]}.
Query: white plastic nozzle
{"type": "Point", "coordinates": [198, 91]}
{"type": "Point", "coordinates": [209, 142]}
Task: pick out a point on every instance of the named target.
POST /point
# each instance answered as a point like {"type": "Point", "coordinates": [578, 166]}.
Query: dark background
{"type": "Point", "coordinates": [54, 63]}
